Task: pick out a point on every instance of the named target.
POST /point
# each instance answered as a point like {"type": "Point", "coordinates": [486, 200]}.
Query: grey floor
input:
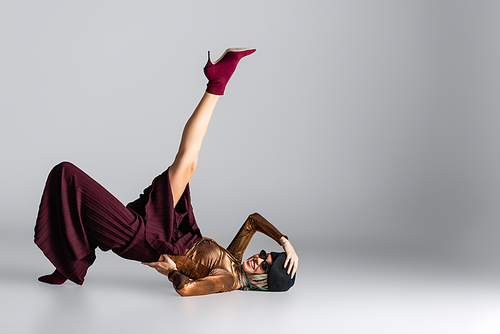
{"type": "Point", "coordinates": [338, 290]}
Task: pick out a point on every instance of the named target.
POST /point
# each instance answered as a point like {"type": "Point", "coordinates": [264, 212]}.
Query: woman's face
{"type": "Point", "coordinates": [253, 265]}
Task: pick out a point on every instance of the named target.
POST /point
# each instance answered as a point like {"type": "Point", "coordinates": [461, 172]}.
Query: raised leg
{"type": "Point", "coordinates": [186, 159]}
{"type": "Point", "coordinates": [218, 74]}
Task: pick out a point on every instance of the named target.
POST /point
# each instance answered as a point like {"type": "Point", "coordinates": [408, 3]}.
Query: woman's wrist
{"type": "Point", "coordinates": [283, 240]}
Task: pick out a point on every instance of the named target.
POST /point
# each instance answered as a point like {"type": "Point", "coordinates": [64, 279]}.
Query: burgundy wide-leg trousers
{"type": "Point", "coordinates": [77, 215]}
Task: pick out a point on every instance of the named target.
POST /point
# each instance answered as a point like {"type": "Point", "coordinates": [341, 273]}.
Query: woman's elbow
{"type": "Point", "coordinates": [183, 293]}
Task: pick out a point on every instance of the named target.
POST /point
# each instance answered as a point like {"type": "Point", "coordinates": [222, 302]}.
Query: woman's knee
{"type": "Point", "coordinates": [64, 167]}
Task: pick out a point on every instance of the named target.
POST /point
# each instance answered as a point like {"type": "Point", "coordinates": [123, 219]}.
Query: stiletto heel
{"type": "Point", "coordinates": [219, 73]}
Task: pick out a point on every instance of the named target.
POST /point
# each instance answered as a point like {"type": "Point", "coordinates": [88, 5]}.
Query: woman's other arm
{"type": "Point", "coordinates": [219, 280]}
{"type": "Point", "coordinates": [255, 222]}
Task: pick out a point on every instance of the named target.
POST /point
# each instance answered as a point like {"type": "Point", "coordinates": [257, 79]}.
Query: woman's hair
{"type": "Point", "coordinates": [255, 281]}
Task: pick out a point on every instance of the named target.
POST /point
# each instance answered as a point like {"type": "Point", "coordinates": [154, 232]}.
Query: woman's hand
{"type": "Point", "coordinates": [164, 265]}
{"type": "Point", "coordinates": [292, 260]}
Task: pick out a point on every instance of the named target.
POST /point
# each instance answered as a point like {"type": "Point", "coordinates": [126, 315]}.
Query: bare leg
{"type": "Point", "coordinates": [192, 137]}
{"type": "Point", "coordinates": [218, 74]}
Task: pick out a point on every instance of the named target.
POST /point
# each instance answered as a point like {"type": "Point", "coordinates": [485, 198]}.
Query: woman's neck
{"type": "Point", "coordinates": [242, 282]}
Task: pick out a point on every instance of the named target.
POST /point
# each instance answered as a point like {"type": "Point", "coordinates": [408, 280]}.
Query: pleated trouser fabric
{"type": "Point", "coordinates": [77, 215]}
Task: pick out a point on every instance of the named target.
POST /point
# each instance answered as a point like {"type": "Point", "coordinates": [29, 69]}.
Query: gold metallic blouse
{"type": "Point", "coordinates": [209, 268]}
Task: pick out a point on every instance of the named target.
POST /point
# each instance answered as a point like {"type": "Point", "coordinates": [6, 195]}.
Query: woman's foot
{"type": "Point", "coordinates": [219, 73]}
{"type": "Point", "coordinates": [55, 278]}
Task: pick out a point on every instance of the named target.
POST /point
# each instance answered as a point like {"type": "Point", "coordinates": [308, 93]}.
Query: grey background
{"type": "Point", "coordinates": [365, 130]}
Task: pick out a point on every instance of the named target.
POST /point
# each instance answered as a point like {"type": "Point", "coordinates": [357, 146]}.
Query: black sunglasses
{"type": "Point", "coordinates": [264, 264]}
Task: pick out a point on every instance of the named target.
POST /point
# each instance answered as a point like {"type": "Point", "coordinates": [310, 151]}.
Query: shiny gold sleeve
{"type": "Point", "coordinates": [189, 267]}
{"type": "Point", "coordinates": [255, 222]}
{"type": "Point", "coordinates": [218, 280]}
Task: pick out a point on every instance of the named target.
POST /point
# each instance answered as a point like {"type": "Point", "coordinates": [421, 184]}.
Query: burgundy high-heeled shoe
{"type": "Point", "coordinates": [219, 73]}
{"type": "Point", "coordinates": [55, 278]}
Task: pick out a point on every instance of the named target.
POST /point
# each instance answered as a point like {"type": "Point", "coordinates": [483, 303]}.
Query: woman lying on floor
{"type": "Point", "coordinates": [77, 215]}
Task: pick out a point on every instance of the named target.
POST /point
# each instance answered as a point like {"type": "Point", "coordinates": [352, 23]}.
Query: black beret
{"type": "Point", "coordinates": [277, 277]}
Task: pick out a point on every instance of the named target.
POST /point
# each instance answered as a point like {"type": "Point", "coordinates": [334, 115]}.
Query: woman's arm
{"type": "Point", "coordinates": [255, 222]}
{"type": "Point", "coordinates": [218, 280]}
